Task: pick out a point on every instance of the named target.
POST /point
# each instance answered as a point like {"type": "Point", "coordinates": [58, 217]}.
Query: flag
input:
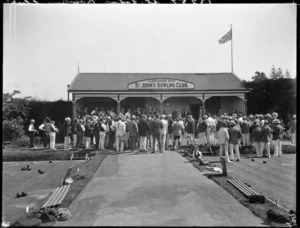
{"type": "Point", "coordinates": [226, 37]}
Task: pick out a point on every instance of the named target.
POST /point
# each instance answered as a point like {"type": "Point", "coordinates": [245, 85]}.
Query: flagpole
{"type": "Point", "coordinates": [231, 50]}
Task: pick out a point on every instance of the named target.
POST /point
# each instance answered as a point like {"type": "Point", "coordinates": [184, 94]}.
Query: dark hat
{"type": "Point", "coordinates": [276, 121]}
{"type": "Point", "coordinates": [232, 123]}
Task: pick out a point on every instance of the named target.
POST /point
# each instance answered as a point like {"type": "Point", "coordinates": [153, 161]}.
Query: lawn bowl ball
{"type": "Point", "coordinates": [23, 168]}
{"type": "Point", "coordinates": [264, 162]}
{"type": "Point", "coordinates": [252, 160]}
{"type": "Point", "coordinates": [50, 161]}
{"type": "Point", "coordinates": [19, 195]}
{"type": "Point", "coordinates": [24, 193]}
{"type": "Point", "coordinates": [29, 168]}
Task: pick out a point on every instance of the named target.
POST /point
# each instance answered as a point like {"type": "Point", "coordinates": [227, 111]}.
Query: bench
{"type": "Point", "coordinates": [242, 187]}
{"type": "Point", "coordinates": [60, 192]}
{"type": "Point", "coordinates": [57, 197]}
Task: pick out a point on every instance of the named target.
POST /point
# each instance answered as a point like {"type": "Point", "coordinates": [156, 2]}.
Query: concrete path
{"type": "Point", "coordinates": [155, 190]}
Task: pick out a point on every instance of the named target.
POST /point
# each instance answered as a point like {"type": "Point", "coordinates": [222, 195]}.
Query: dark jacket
{"type": "Point", "coordinates": [256, 134]}
{"type": "Point", "coordinates": [265, 134]}
{"type": "Point", "coordinates": [277, 132]}
{"type": "Point", "coordinates": [190, 127]}
{"type": "Point", "coordinates": [170, 128]}
{"type": "Point", "coordinates": [156, 126]}
{"type": "Point", "coordinates": [133, 128]}
{"type": "Point", "coordinates": [234, 135]}
{"type": "Point", "coordinates": [220, 124]}
{"type": "Point", "coordinates": [143, 128]}
{"type": "Point", "coordinates": [88, 130]}
{"type": "Point", "coordinates": [202, 127]}
{"type": "Point", "coordinates": [67, 129]}
{"type": "Point", "coordinates": [245, 126]}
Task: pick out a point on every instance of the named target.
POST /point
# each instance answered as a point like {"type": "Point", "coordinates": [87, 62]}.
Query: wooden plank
{"type": "Point", "coordinates": [241, 190]}
{"type": "Point", "coordinates": [243, 187]}
{"type": "Point", "coordinates": [250, 189]}
{"type": "Point", "coordinates": [59, 195]}
{"type": "Point", "coordinates": [50, 198]}
{"type": "Point", "coordinates": [236, 186]}
{"type": "Point", "coordinates": [63, 196]}
{"type": "Point", "coordinates": [54, 196]}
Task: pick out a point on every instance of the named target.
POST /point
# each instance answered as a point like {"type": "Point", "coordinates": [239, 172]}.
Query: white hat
{"type": "Point", "coordinates": [67, 119]}
{"type": "Point", "coordinates": [294, 116]}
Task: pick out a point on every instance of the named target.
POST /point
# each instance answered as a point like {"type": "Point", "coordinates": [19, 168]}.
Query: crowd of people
{"type": "Point", "coordinates": [141, 130]}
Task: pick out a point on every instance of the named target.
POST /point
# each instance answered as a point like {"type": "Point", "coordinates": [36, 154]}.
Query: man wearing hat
{"type": "Point", "coordinates": [31, 131]}
{"type": "Point", "coordinates": [277, 136]}
{"type": "Point", "coordinates": [169, 132]}
{"type": "Point", "coordinates": [45, 128]}
{"type": "Point", "coordinates": [201, 127]}
{"type": "Point", "coordinates": [190, 129]}
{"type": "Point", "coordinates": [164, 131]}
{"type": "Point", "coordinates": [143, 129]}
{"type": "Point", "coordinates": [255, 137]}
{"type": "Point", "coordinates": [223, 140]}
{"type": "Point", "coordinates": [235, 135]}
{"type": "Point", "coordinates": [211, 125]}
{"type": "Point", "coordinates": [245, 126]}
{"type": "Point", "coordinates": [120, 128]}
{"type": "Point", "coordinates": [133, 132]}
{"type": "Point", "coordinates": [156, 131]}
{"type": "Point", "coordinates": [265, 139]}
{"type": "Point", "coordinates": [292, 127]}
{"type": "Point", "coordinates": [67, 132]}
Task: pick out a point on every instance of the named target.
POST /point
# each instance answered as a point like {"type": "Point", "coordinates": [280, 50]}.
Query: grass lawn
{"type": "Point", "coordinates": [275, 179]}
{"type": "Point", "coordinates": [41, 154]}
{"type": "Point", "coordinates": [39, 187]}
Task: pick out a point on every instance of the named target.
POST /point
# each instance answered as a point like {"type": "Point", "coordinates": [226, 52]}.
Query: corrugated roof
{"type": "Point", "coordinates": [120, 81]}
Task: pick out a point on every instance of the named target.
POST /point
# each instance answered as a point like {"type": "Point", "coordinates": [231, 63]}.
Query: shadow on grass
{"type": "Point", "coordinates": [259, 210]}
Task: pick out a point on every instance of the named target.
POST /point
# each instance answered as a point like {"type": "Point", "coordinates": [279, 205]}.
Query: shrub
{"type": "Point", "coordinates": [23, 141]}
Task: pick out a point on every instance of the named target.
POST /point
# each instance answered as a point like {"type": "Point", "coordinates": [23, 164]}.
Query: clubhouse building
{"type": "Point", "coordinates": [197, 93]}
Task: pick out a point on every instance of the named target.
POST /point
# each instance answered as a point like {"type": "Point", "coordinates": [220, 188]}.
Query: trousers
{"type": "Point", "coordinates": [143, 140]}
{"type": "Point", "coordinates": [225, 148]}
{"type": "Point", "coordinates": [52, 140]}
{"type": "Point", "coordinates": [157, 137]}
{"type": "Point", "coordinates": [67, 143]}
{"type": "Point", "coordinates": [119, 143]}
{"type": "Point", "coordinates": [256, 146]}
{"type": "Point", "coordinates": [262, 146]}
{"type": "Point", "coordinates": [246, 139]}
{"type": "Point", "coordinates": [236, 148]}
{"type": "Point", "coordinates": [277, 147]}
{"type": "Point", "coordinates": [101, 141]}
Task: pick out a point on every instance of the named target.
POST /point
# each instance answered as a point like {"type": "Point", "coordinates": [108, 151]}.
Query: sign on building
{"type": "Point", "coordinates": [162, 83]}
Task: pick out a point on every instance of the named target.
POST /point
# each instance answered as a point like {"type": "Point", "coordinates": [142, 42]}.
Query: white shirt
{"type": "Point", "coordinates": [41, 127]}
{"type": "Point", "coordinates": [210, 122]}
{"type": "Point", "coordinates": [31, 127]}
{"type": "Point", "coordinates": [128, 114]}
{"type": "Point", "coordinates": [165, 125]}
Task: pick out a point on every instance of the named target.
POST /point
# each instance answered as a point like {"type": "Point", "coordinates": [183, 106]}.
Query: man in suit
{"type": "Point", "coordinates": [156, 132]}
{"type": "Point", "coordinates": [143, 128]}
{"type": "Point", "coordinates": [235, 135]}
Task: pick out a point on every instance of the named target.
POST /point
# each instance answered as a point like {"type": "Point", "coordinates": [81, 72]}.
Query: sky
{"type": "Point", "coordinates": [45, 43]}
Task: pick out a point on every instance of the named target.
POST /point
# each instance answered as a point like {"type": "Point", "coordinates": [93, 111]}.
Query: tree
{"type": "Point", "coordinates": [273, 73]}
{"type": "Point", "coordinates": [259, 76]}
{"type": "Point", "coordinates": [276, 74]}
{"type": "Point", "coordinates": [287, 74]}
{"type": "Point", "coordinates": [279, 73]}
{"type": "Point", "coordinates": [15, 112]}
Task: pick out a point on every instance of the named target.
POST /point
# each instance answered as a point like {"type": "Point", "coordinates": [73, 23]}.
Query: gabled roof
{"type": "Point", "coordinates": [120, 81]}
